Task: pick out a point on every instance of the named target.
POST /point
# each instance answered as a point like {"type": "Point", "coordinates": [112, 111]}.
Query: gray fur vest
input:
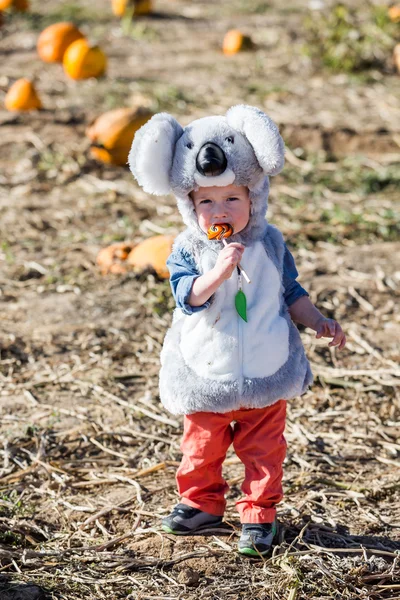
{"type": "Point", "coordinates": [214, 361]}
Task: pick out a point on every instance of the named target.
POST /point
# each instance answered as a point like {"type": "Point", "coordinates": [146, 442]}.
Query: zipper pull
{"type": "Point", "coordinates": [240, 299]}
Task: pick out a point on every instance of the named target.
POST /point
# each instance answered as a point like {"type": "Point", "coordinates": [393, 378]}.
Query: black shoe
{"type": "Point", "coordinates": [185, 520]}
{"type": "Point", "coordinates": [257, 538]}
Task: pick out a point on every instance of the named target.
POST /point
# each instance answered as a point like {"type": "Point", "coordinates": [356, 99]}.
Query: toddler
{"type": "Point", "coordinates": [233, 356]}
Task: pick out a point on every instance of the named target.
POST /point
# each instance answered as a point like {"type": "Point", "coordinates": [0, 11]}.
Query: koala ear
{"type": "Point", "coordinates": [152, 151]}
{"type": "Point", "coordinates": [263, 135]}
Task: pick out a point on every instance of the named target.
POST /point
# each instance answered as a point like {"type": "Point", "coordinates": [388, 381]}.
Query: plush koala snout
{"type": "Point", "coordinates": [211, 160]}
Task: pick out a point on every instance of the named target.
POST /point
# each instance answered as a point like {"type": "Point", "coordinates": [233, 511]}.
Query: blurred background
{"type": "Point", "coordinates": [89, 455]}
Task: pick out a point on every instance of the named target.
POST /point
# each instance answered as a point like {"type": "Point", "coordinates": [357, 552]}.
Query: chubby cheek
{"type": "Point", "coordinates": [240, 219]}
{"type": "Point", "coordinates": [203, 220]}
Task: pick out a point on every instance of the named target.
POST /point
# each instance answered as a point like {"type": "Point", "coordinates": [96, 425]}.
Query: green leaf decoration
{"type": "Point", "coordinates": [241, 304]}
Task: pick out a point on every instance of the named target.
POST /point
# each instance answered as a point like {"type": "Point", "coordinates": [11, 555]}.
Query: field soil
{"type": "Point", "coordinates": [88, 455]}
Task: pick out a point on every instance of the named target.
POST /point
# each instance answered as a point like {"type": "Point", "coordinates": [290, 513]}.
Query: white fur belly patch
{"type": "Point", "coordinates": [209, 340]}
{"type": "Point", "coordinates": [266, 334]}
{"type": "Point", "coordinates": [217, 344]}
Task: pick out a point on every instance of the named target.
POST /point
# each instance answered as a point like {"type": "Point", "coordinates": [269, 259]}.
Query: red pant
{"type": "Point", "coordinates": [257, 436]}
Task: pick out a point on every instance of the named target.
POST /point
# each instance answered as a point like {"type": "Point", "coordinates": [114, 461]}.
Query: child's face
{"type": "Point", "coordinates": [228, 204]}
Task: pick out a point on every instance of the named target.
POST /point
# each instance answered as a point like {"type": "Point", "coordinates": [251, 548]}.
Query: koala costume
{"type": "Point", "coordinates": [211, 359]}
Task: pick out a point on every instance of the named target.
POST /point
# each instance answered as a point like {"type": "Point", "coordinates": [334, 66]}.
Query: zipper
{"type": "Point", "coordinates": [240, 338]}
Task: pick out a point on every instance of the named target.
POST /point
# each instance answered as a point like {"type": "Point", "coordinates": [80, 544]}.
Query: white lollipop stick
{"type": "Point", "coordinates": [243, 272]}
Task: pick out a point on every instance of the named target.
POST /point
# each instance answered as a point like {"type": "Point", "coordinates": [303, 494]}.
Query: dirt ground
{"type": "Point", "coordinates": [88, 454]}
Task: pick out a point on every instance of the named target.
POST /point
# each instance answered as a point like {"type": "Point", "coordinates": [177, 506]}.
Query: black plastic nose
{"type": "Point", "coordinates": [211, 160]}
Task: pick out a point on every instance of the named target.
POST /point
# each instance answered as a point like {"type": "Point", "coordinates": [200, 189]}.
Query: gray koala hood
{"type": "Point", "coordinates": [257, 362]}
{"type": "Point", "coordinates": [243, 147]}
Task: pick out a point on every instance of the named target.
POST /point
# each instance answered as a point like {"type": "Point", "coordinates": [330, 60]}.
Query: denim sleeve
{"type": "Point", "coordinates": [293, 290]}
{"type": "Point", "coordinates": [183, 272]}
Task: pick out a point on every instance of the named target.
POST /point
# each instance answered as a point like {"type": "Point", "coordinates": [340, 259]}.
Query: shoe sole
{"type": "Point", "coordinates": [252, 552]}
{"type": "Point", "coordinates": [199, 530]}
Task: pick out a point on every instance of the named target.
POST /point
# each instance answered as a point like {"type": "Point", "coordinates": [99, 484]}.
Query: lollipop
{"type": "Point", "coordinates": [220, 231]}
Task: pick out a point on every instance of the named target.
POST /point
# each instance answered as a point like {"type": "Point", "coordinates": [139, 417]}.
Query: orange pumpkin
{"type": "Point", "coordinates": [82, 61]}
{"type": "Point", "coordinates": [118, 7]}
{"type": "Point", "coordinates": [394, 13]}
{"type": "Point", "coordinates": [112, 133]}
{"type": "Point", "coordinates": [123, 256]}
{"type": "Point", "coordinates": [134, 7]}
{"type": "Point", "coordinates": [110, 259]}
{"type": "Point", "coordinates": [22, 95]}
{"type": "Point", "coordinates": [55, 39]}
{"type": "Point", "coordinates": [153, 253]}
{"type": "Point", "coordinates": [20, 5]}
{"type": "Point", "coordinates": [235, 41]}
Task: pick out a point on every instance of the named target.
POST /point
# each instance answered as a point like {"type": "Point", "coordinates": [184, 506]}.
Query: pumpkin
{"type": "Point", "coordinates": [55, 39]}
{"type": "Point", "coordinates": [123, 256]}
{"type": "Point", "coordinates": [22, 95]}
{"type": "Point", "coordinates": [132, 7]}
{"type": "Point", "coordinates": [153, 253]}
{"type": "Point", "coordinates": [110, 259]}
{"type": "Point", "coordinates": [81, 60]}
{"type": "Point", "coordinates": [112, 133]}
{"type": "Point", "coordinates": [20, 5]}
{"type": "Point", "coordinates": [396, 57]}
{"type": "Point", "coordinates": [394, 13]}
{"type": "Point", "coordinates": [235, 41]}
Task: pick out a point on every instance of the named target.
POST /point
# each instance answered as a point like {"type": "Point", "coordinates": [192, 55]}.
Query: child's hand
{"type": "Point", "coordinates": [228, 259]}
{"type": "Point", "coordinates": [331, 328]}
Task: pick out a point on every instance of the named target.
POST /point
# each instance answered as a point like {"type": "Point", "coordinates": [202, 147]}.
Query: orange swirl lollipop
{"type": "Point", "coordinates": [220, 231]}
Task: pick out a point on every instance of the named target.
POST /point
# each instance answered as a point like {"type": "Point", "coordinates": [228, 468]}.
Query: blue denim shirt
{"type": "Point", "coordinates": [183, 272]}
